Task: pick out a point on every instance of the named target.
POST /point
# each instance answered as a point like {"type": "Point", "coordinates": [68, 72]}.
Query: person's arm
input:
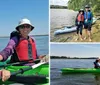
{"type": "Point", "coordinates": [91, 17]}
{"type": "Point", "coordinates": [76, 19]}
{"type": "Point", "coordinates": [8, 50]}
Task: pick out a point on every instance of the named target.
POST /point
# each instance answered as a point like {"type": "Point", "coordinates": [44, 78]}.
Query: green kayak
{"type": "Point", "coordinates": [79, 70]}
{"type": "Point", "coordinates": [37, 76]}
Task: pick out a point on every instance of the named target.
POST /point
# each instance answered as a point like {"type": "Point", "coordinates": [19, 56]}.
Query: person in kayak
{"type": "Point", "coordinates": [88, 18]}
{"type": "Point", "coordinates": [79, 24]}
{"type": "Point", "coordinates": [97, 63]}
{"type": "Point", "coordinates": [23, 45]}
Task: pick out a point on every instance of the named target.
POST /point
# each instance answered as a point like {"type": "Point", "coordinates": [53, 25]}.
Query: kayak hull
{"type": "Point", "coordinates": [79, 70]}
{"type": "Point", "coordinates": [65, 30]}
{"type": "Point", "coordinates": [36, 76]}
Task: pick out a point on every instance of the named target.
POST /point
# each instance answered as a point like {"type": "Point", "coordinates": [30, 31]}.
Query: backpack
{"type": "Point", "coordinates": [14, 57]}
{"type": "Point", "coordinates": [14, 33]}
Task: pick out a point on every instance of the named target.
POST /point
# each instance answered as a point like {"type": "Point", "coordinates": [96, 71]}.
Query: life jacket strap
{"type": "Point", "coordinates": [29, 50]}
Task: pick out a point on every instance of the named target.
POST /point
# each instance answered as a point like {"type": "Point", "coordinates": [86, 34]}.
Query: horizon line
{"type": "Point", "coordinates": [29, 35]}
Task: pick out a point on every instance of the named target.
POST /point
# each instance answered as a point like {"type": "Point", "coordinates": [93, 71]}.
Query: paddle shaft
{"type": "Point", "coordinates": [22, 70]}
{"type": "Point", "coordinates": [19, 63]}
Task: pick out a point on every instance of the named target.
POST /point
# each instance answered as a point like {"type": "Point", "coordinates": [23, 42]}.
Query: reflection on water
{"type": "Point", "coordinates": [97, 79]}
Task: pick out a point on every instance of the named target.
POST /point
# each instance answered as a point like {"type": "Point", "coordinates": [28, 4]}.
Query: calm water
{"type": "Point", "coordinates": [72, 79]}
{"type": "Point", "coordinates": [41, 43]}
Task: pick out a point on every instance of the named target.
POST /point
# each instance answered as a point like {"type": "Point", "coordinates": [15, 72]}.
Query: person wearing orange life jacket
{"type": "Point", "coordinates": [79, 24]}
{"type": "Point", "coordinates": [24, 46]}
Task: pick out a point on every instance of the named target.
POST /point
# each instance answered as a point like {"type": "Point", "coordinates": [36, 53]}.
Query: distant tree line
{"type": "Point", "coordinates": [65, 57]}
{"type": "Point", "coordinates": [58, 7]}
{"type": "Point", "coordinates": [78, 4]}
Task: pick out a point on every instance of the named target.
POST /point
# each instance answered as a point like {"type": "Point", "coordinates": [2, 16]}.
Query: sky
{"type": "Point", "coordinates": [12, 11]}
{"type": "Point", "coordinates": [59, 2]}
{"type": "Point", "coordinates": [75, 50]}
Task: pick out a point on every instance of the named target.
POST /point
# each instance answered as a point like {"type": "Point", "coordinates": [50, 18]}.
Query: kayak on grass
{"type": "Point", "coordinates": [79, 70]}
{"type": "Point", "coordinates": [65, 30]}
{"type": "Point", "coordinates": [39, 75]}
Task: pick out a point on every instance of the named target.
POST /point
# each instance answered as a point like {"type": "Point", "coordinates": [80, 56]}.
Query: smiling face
{"type": "Point", "coordinates": [25, 30]}
{"type": "Point", "coordinates": [87, 9]}
{"type": "Point", "coordinates": [81, 12]}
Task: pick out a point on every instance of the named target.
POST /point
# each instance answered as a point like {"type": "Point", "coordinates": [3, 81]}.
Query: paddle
{"type": "Point", "coordinates": [20, 63]}
{"type": "Point", "coordinates": [22, 70]}
{"type": "Point", "coordinates": [31, 79]}
{"type": "Point", "coordinates": [28, 79]}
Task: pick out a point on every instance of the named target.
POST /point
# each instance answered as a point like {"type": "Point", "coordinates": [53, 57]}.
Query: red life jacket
{"type": "Point", "coordinates": [80, 17]}
{"type": "Point", "coordinates": [22, 49]}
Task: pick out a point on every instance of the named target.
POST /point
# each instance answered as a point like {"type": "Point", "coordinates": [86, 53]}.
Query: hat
{"type": "Point", "coordinates": [87, 6]}
{"type": "Point", "coordinates": [81, 10]}
{"type": "Point", "coordinates": [24, 21]}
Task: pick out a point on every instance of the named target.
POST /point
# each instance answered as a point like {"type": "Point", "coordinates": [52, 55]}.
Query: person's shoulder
{"type": "Point", "coordinates": [15, 39]}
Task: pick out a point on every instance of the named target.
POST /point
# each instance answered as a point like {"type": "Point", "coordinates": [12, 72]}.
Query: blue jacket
{"type": "Point", "coordinates": [88, 17]}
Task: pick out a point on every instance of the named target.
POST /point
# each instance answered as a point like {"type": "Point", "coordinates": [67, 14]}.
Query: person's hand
{"type": "Point", "coordinates": [5, 74]}
{"type": "Point", "coordinates": [41, 57]}
{"type": "Point", "coordinates": [83, 25]}
{"type": "Point", "coordinates": [1, 58]}
{"type": "Point", "coordinates": [44, 58]}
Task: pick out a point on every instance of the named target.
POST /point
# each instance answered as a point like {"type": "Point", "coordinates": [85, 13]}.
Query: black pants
{"type": "Point", "coordinates": [79, 28]}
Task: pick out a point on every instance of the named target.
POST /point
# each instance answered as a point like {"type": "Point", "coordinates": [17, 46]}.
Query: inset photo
{"type": "Point", "coordinates": [74, 20]}
{"type": "Point", "coordinates": [24, 42]}
{"type": "Point", "coordinates": [75, 64]}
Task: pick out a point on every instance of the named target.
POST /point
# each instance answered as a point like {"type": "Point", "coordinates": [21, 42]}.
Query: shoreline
{"type": "Point", "coordinates": [66, 57]}
{"type": "Point", "coordinates": [73, 58]}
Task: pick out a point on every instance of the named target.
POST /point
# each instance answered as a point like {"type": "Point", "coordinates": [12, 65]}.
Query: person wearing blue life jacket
{"type": "Point", "coordinates": [97, 63]}
{"type": "Point", "coordinates": [79, 23]}
{"type": "Point", "coordinates": [88, 18]}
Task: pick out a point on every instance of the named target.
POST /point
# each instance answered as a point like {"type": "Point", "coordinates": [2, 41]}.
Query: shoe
{"type": "Point", "coordinates": [90, 40]}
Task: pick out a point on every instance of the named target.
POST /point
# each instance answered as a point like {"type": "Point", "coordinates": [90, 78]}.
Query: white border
{"type": "Point", "coordinates": [49, 37]}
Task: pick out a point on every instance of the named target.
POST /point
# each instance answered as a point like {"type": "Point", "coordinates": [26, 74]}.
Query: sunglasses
{"type": "Point", "coordinates": [26, 26]}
